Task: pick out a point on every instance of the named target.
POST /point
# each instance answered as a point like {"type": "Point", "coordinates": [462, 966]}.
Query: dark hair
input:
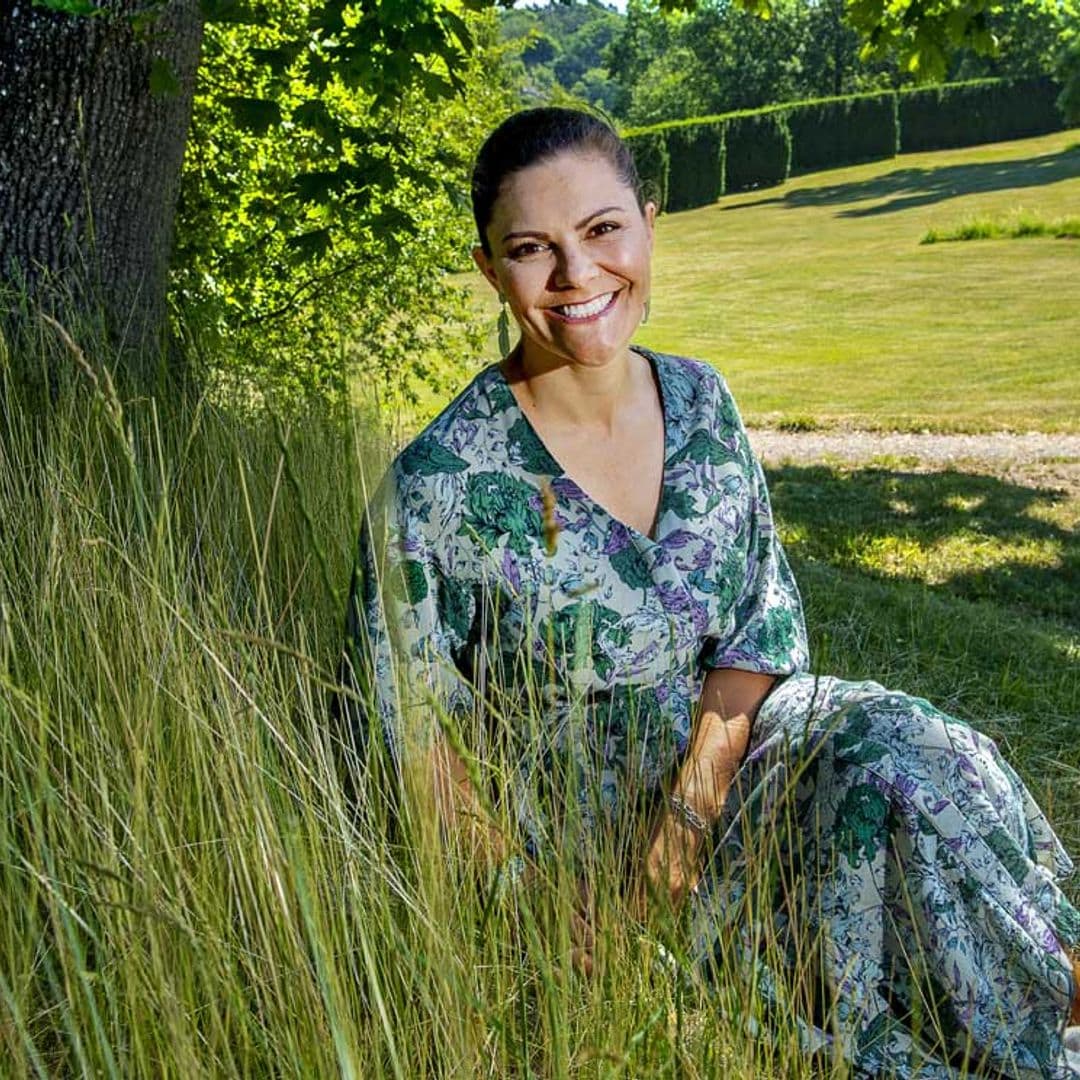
{"type": "Point", "coordinates": [535, 135]}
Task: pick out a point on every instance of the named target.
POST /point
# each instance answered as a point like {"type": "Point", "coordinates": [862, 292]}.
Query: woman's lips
{"type": "Point", "coordinates": [594, 309]}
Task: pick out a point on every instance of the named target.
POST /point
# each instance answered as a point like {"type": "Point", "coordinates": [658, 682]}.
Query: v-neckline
{"type": "Point", "coordinates": [559, 470]}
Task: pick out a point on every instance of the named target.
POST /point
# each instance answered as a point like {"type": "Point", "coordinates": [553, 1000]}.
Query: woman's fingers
{"type": "Point", "coordinates": [582, 961]}
{"type": "Point", "coordinates": [582, 933]}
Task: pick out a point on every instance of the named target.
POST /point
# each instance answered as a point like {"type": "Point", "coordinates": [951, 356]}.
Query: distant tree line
{"type": "Point", "coordinates": [647, 66]}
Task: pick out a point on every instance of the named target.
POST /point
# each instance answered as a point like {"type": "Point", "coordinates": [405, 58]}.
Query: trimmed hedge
{"type": "Point", "coordinates": [843, 131]}
{"type": "Point", "coordinates": [653, 163]}
{"type": "Point", "coordinates": [695, 172]}
{"type": "Point", "coordinates": [693, 162]}
{"type": "Point", "coordinates": [987, 110]}
{"type": "Point", "coordinates": [757, 150]}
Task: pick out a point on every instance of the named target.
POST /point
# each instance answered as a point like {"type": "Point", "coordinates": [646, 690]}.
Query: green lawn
{"type": "Point", "coordinates": [816, 298]}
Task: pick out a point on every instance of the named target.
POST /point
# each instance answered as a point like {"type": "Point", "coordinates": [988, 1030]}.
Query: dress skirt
{"type": "Point", "coordinates": [887, 848]}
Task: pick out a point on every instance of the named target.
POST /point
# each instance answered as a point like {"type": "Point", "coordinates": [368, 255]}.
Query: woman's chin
{"type": "Point", "coordinates": [587, 349]}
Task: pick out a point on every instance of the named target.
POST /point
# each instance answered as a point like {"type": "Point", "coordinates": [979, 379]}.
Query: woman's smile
{"type": "Point", "coordinates": [589, 311]}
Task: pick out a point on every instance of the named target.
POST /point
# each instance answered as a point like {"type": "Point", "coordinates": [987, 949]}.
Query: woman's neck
{"type": "Point", "coordinates": [582, 395]}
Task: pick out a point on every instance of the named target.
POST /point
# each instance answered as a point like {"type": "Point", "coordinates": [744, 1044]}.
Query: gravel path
{"type": "Point", "coordinates": [1035, 459]}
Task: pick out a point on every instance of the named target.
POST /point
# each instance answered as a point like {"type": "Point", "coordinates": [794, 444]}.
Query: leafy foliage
{"type": "Point", "coordinates": [681, 58]}
{"type": "Point", "coordinates": [69, 7]}
{"type": "Point", "coordinates": [696, 171]}
{"type": "Point", "coordinates": [653, 165]}
{"type": "Point", "coordinates": [757, 150]}
{"type": "Point", "coordinates": [843, 131]}
{"type": "Point", "coordinates": [1028, 34]}
{"type": "Point", "coordinates": [735, 60]}
{"type": "Point", "coordinates": [923, 31]}
{"type": "Point", "coordinates": [562, 49]}
{"type": "Point", "coordinates": [1069, 75]}
{"type": "Point", "coordinates": [318, 217]}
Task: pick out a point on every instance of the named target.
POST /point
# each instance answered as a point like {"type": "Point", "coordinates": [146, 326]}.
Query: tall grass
{"type": "Point", "coordinates": [186, 886]}
{"type": "Point", "coordinates": [1022, 225]}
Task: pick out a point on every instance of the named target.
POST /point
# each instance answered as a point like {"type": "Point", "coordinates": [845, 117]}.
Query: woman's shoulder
{"type": "Point", "coordinates": [695, 372]}
{"type": "Point", "coordinates": [450, 442]}
{"type": "Point", "coordinates": [694, 389]}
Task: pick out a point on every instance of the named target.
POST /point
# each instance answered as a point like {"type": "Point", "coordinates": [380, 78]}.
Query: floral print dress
{"type": "Point", "coordinates": [924, 864]}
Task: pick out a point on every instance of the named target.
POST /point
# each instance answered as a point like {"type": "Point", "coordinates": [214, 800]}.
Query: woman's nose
{"type": "Point", "coordinates": [573, 266]}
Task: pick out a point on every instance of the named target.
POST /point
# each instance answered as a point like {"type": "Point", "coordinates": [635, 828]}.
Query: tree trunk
{"type": "Point", "coordinates": [94, 114]}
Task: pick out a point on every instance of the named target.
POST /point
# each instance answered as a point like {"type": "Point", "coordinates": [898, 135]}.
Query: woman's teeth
{"type": "Point", "coordinates": [585, 311]}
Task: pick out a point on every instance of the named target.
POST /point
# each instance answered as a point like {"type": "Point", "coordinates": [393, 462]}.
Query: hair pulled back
{"type": "Point", "coordinates": [535, 135]}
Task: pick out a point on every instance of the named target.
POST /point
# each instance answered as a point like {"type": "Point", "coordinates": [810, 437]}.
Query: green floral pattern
{"type": "Point", "coordinates": [616, 631]}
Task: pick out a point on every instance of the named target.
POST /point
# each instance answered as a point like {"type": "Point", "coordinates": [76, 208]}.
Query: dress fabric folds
{"type": "Point", "coordinates": [924, 865]}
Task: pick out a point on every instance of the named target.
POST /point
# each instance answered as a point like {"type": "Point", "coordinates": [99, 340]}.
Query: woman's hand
{"type": "Point", "coordinates": [730, 700]}
{"type": "Point", "coordinates": [583, 931]}
{"type": "Point", "coordinates": [462, 819]}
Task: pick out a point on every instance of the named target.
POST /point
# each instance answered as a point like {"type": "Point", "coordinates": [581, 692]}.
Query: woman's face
{"type": "Point", "coordinates": [571, 251]}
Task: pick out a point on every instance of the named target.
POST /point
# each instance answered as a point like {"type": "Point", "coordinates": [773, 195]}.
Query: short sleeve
{"type": "Point", "coordinates": [769, 631]}
{"type": "Point", "coordinates": [407, 625]}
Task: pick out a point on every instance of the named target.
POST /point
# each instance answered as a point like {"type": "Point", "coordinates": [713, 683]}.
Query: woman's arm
{"type": "Point", "coordinates": [730, 700]}
{"type": "Point", "coordinates": [463, 821]}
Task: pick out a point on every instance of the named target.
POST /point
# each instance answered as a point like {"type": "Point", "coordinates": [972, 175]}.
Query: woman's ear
{"type": "Point", "coordinates": [650, 220]}
{"type": "Point", "coordinates": [484, 263]}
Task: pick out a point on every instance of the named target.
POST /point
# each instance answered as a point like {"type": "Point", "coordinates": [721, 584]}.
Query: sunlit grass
{"type": "Point", "coordinates": [816, 297]}
{"type": "Point", "coordinates": [1019, 227]}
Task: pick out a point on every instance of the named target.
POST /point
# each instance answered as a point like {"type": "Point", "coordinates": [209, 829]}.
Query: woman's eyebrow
{"type": "Point", "coordinates": [581, 224]}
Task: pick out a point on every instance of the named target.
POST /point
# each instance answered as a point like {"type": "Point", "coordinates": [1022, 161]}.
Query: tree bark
{"type": "Point", "coordinates": [94, 115]}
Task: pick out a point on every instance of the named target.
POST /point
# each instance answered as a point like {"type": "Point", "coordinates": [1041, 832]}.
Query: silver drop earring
{"type": "Point", "coordinates": [504, 329]}
{"type": "Point", "coordinates": [645, 313]}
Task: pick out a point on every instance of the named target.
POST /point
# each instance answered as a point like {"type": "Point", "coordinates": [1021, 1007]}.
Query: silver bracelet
{"type": "Point", "coordinates": [509, 876]}
{"type": "Point", "coordinates": [688, 815]}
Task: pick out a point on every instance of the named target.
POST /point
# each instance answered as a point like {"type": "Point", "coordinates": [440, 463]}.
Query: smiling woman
{"type": "Point", "coordinates": [579, 270]}
{"type": "Point", "coordinates": [586, 519]}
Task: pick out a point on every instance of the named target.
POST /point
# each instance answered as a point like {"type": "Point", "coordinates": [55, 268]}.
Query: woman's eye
{"type": "Point", "coordinates": [605, 227]}
{"type": "Point", "coordinates": [528, 248]}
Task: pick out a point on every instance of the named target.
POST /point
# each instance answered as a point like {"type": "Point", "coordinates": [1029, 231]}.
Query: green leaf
{"type": "Point", "coordinates": [163, 80]}
{"type": "Point", "coordinates": [316, 186]}
{"type": "Point", "coordinates": [255, 114]}
{"type": "Point", "coordinates": [278, 60]}
{"type": "Point", "coordinates": [392, 219]}
{"type": "Point", "coordinates": [434, 86]}
{"type": "Point", "coordinates": [329, 16]}
{"type": "Point", "coordinates": [459, 29]}
{"type": "Point", "coordinates": [310, 245]}
{"type": "Point", "coordinates": [315, 116]}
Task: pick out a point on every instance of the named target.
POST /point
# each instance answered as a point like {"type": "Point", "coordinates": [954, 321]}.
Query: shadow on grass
{"type": "Point", "coordinates": [960, 534]}
{"type": "Point", "coordinates": [907, 188]}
